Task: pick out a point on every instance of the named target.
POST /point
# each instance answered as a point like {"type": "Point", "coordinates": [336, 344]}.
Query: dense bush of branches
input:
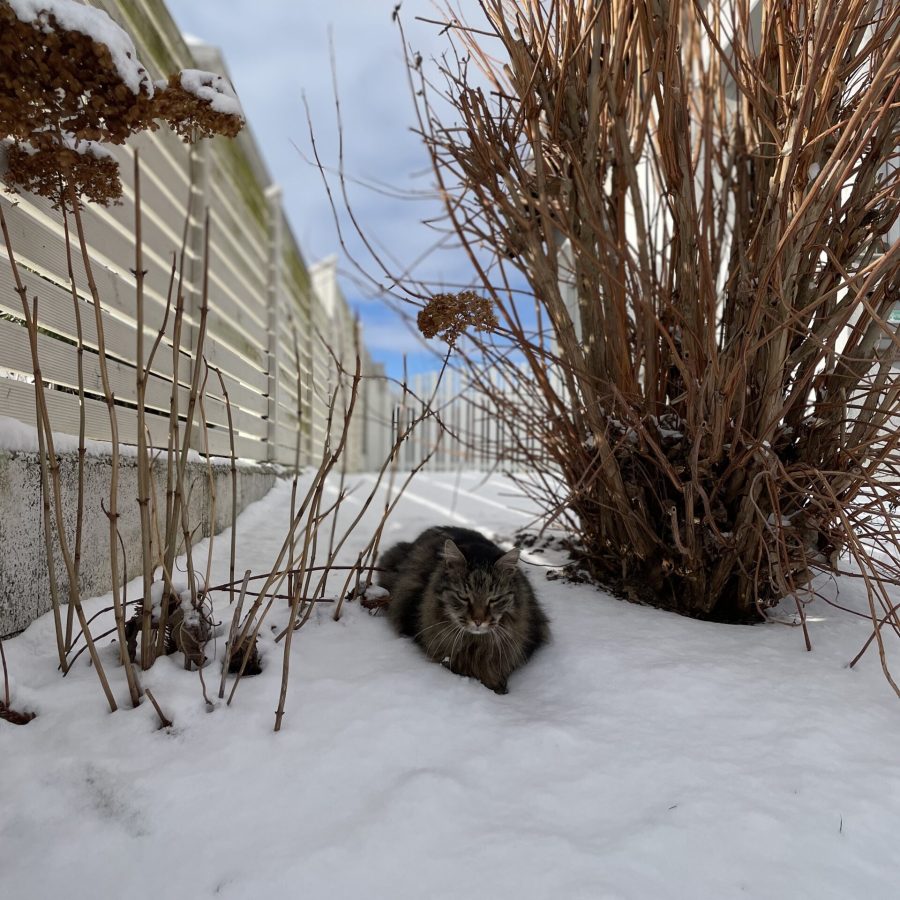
{"type": "Point", "coordinates": [698, 200]}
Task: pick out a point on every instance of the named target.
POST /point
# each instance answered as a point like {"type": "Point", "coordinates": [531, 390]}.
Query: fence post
{"type": "Point", "coordinates": [273, 304]}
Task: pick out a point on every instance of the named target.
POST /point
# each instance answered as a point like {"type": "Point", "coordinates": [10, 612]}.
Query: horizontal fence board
{"type": "Point", "coordinates": [219, 444]}
{"type": "Point", "coordinates": [59, 364]}
{"type": "Point", "coordinates": [221, 355]}
{"type": "Point", "coordinates": [243, 220]}
{"type": "Point", "coordinates": [246, 270]}
{"type": "Point", "coordinates": [17, 399]}
{"type": "Point", "coordinates": [230, 322]}
{"type": "Point", "coordinates": [37, 239]}
{"type": "Point", "coordinates": [56, 313]}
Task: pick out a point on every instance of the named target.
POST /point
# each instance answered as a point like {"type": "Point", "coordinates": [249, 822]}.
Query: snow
{"type": "Point", "coordinates": [81, 146]}
{"type": "Point", "coordinates": [214, 89]}
{"type": "Point", "coordinates": [98, 26]}
{"type": "Point", "coordinates": [640, 755]}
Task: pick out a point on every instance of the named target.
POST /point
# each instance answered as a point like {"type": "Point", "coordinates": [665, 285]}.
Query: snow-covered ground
{"type": "Point", "coordinates": [640, 756]}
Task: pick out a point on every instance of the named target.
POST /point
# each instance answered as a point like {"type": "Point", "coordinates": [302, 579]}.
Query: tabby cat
{"type": "Point", "coordinates": [465, 602]}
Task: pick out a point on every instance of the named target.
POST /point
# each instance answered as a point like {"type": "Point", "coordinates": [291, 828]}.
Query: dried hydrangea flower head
{"type": "Point", "coordinates": [69, 78]}
{"type": "Point", "coordinates": [447, 316]}
{"type": "Point", "coordinates": [200, 103]}
{"type": "Point", "coordinates": [66, 67]}
{"type": "Point", "coordinates": [88, 167]}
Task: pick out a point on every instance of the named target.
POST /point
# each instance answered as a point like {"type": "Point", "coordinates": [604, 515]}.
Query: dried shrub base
{"type": "Point", "coordinates": [13, 717]}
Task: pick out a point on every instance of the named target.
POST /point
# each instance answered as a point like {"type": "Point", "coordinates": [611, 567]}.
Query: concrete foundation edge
{"type": "Point", "coordinates": [24, 573]}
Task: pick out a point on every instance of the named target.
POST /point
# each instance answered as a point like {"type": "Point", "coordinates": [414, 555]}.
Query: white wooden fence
{"type": "Point", "coordinates": [476, 434]}
{"type": "Point", "coordinates": [266, 321]}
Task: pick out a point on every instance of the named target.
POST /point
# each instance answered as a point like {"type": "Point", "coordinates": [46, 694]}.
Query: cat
{"type": "Point", "coordinates": [464, 600]}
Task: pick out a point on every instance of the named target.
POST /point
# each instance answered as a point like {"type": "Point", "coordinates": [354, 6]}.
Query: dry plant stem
{"type": "Point", "coordinates": [48, 459]}
{"type": "Point", "coordinates": [341, 489]}
{"type": "Point", "coordinates": [112, 513]}
{"type": "Point", "coordinates": [206, 699]}
{"type": "Point", "coordinates": [298, 368]}
{"type": "Point", "coordinates": [173, 487]}
{"type": "Point", "coordinates": [232, 631]}
{"type": "Point", "coordinates": [180, 505]}
{"type": "Point", "coordinates": [234, 488]}
{"type": "Point", "coordinates": [62, 643]}
{"type": "Point", "coordinates": [245, 658]}
{"type": "Point", "coordinates": [310, 536]}
{"type": "Point", "coordinates": [310, 501]}
{"type": "Point", "coordinates": [211, 481]}
{"type": "Point", "coordinates": [229, 586]}
{"type": "Point", "coordinates": [295, 605]}
{"type": "Point", "coordinates": [328, 461]}
{"type": "Point", "coordinates": [79, 509]}
{"type": "Point", "coordinates": [164, 721]}
{"type": "Point", "coordinates": [313, 522]}
{"type": "Point", "coordinates": [147, 652]}
{"type": "Point", "coordinates": [5, 675]}
{"type": "Point", "coordinates": [704, 211]}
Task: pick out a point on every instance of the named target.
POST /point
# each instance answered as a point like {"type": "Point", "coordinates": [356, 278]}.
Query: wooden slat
{"type": "Point", "coordinates": [17, 400]}
{"type": "Point", "coordinates": [248, 267]}
{"type": "Point", "coordinates": [59, 364]}
{"type": "Point", "coordinates": [248, 296]}
{"type": "Point", "coordinates": [229, 203]}
{"type": "Point", "coordinates": [55, 312]}
{"type": "Point", "coordinates": [236, 220]}
{"type": "Point", "coordinates": [231, 335]}
{"type": "Point", "coordinates": [40, 245]}
{"type": "Point", "coordinates": [37, 239]}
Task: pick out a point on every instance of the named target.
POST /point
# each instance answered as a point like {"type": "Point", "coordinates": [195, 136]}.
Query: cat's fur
{"type": "Point", "coordinates": [465, 602]}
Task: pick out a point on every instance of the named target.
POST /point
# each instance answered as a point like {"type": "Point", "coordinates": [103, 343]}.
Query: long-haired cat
{"type": "Point", "coordinates": [465, 602]}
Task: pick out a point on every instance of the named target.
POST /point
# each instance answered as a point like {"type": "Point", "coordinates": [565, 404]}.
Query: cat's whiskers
{"type": "Point", "coordinates": [447, 627]}
{"type": "Point", "coordinates": [460, 631]}
{"type": "Point", "coordinates": [498, 646]}
{"type": "Point", "coordinates": [515, 652]}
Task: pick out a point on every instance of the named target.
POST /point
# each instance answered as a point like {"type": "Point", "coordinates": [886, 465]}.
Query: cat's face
{"type": "Point", "coordinates": [477, 600]}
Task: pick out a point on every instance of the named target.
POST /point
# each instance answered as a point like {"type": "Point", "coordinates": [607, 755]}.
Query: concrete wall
{"type": "Point", "coordinates": [24, 578]}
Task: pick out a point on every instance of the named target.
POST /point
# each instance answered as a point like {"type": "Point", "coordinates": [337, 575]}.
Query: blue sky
{"type": "Point", "coordinates": [276, 52]}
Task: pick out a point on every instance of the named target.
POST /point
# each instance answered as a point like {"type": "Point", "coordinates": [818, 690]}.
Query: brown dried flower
{"type": "Point", "coordinates": [196, 103]}
{"type": "Point", "coordinates": [449, 315]}
{"type": "Point", "coordinates": [90, 170]}
{"type": "Point", "coordinates": [54, 78]}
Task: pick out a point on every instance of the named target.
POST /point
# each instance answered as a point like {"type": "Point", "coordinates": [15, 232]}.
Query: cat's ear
{"type": "Point", "coordinates": [508, 560]}
{"type": "Point", "coordinates": [452, 556]}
